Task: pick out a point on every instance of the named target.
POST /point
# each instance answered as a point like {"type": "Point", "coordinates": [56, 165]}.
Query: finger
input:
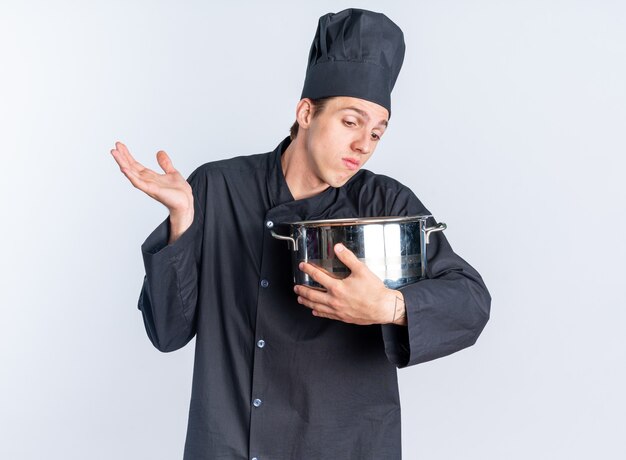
{"type": "Point", "coordinates": [124, 153]}
{"type": "Point", "coordinates": [318, 275]}
{"type": "Point", "coordinates": [120, 159]}
{"type": "Point", "coordinates": [324, 315]}
{"type": "Point", "coordinates": [136, 180]}
{"type": "Point", "coordinates": [347, 257]}
{"type": "Point", "coordinates": [165, 163]}
{"type": "Point", "coordinates": [314, 295]}
{"type": "Point", "coordinates": [318, 309]}
{"type": "Point", "coordinates": [132, 163]}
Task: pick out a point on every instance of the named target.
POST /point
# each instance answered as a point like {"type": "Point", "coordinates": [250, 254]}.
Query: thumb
{"type": "Point", "coordinates": [164, 162]}
{"type": "Point", "coordinates": [347, 257]}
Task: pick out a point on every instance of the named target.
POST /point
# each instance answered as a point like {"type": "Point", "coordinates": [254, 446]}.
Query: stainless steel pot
{"type": "Point", "coordinates": [394, 248]}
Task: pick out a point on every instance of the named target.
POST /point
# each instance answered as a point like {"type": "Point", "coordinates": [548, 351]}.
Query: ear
{"type": "Point", "coordinates": [304, 112]}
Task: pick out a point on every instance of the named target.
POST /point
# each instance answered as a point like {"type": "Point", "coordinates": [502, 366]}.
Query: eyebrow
{"type": "Point", "coordinates": [364, 114]}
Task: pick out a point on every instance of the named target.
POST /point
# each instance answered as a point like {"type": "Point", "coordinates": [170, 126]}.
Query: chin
{"type": "Point", "coordinates": [339, 178]}
{"type": "Point", "coordinates": [340, 182]}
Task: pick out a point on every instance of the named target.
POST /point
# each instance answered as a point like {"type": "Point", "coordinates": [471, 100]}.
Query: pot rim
{"type": "Point", "coordinates": [359, 221]}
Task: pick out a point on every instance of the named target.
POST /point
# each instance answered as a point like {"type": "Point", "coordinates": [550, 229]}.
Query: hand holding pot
{"type": "Point", "coordinates": [361, 298]}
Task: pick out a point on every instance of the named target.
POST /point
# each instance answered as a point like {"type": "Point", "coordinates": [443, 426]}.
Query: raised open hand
{"type": "Point", "coordinates": [170, 189]}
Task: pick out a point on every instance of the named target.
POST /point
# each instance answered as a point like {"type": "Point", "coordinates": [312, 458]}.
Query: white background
{"type": "Point", "coordinates": [508, 122]}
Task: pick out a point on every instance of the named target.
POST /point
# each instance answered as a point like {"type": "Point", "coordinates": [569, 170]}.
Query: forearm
{"type": "Point", "coordinates": [180, 221]}
{"type": "Point", "coordinates": [397, 308]}
{"type": "Point", "coordinates": [445, 315]}
{"type": "Point", "coordinates": [169, 295]}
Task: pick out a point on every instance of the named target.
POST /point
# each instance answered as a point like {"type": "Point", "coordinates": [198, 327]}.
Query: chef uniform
{"type": "Point", "coordinates": [272, 381]}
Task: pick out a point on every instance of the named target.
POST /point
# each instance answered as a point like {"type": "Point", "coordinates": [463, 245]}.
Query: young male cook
{"type": "Point", "coordinates": [310, 374]}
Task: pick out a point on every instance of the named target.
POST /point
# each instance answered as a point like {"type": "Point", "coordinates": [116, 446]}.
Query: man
{"type": "Point", "coordinates": [310, 374]}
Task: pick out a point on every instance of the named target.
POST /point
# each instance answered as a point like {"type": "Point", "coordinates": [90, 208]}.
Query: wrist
{"type": "Point", "coordinates": [396, 311]}
{"type": "Point", "coordinates": [180, 221]}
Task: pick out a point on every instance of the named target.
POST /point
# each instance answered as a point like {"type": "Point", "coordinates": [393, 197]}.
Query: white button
{"type": "Point", "coordinates": [254, 458]}
{"type": "Point", "coordinates": [269, 224]}
{"type": "Point", "coordinates": [257, 402]}
{"type": "Point", "coordinates": [260, 343]}
{"type": "Point", "coordinates": [265, 283]}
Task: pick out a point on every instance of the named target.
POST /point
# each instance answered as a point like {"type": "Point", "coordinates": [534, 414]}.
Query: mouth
{"type": "Point", "coordinates": [351, 163]}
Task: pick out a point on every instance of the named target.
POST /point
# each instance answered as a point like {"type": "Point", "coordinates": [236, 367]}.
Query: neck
{"type": "Point", "coordinates": [301, 180]}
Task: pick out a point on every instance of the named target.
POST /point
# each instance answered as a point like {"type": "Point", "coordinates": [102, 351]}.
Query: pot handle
{"type": "Point", "coordinates": [293, 241]}
{"type": "Point", "coordinates": [440, 227]}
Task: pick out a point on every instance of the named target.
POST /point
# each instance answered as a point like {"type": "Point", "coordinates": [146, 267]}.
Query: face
{"type": "Point", "coordinates": [340, 139]}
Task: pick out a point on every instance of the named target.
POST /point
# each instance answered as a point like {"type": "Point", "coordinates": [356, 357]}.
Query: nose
{"type": "Point", "coordinates": [363, 143]}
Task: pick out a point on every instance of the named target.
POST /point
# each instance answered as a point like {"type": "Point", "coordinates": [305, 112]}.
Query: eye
{"type": "Point", "coordinates": [375, 137]}
{"type": "Point", "coordinates": [349, 123]}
